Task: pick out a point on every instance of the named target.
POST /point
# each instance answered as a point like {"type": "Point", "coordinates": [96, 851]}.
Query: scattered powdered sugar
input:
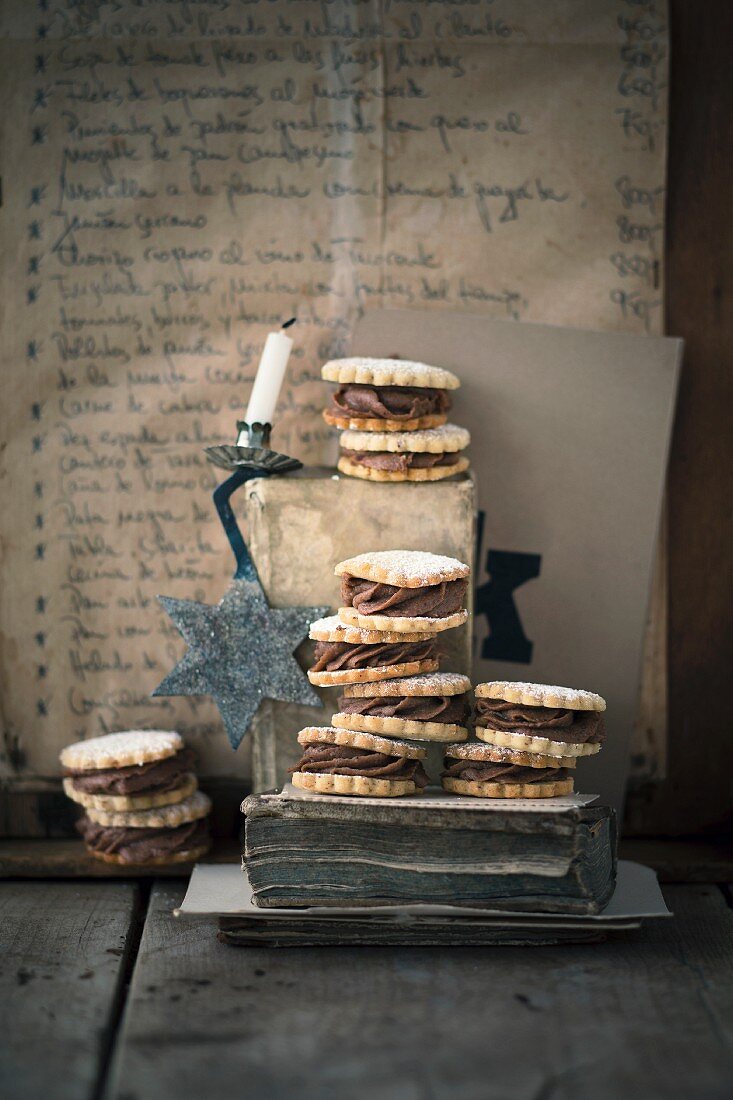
{"type": "Point", "coordinates": [424, 684]}
{"type": "Point", "coordinates": [404, 568]}
{"type": "Point", "coordinates": [446, 438]}
{"type": "Point", "coordinates": [540, 695]}
{"type": "Point", "coordinates": [331, 735]}
{"type": "Point", "coordinates": [385, 372]}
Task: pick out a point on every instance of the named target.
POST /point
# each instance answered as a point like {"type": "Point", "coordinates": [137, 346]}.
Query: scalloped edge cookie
{"type": "Point", "coordinates": [332, 735]}
{"type": "Point", "coordinates": [401, 623]}
{"type": "Point", "coordinates": [507, 790]}
{"type": "Point", "coordinates": [446, 439]}
{"type": "Point", "coordinates": [540, 695]}
{"type": "Point", "coordinates": [428, 685]}
{"type": "Point", "coordinates": [433, 473]}
{"type": "Point", "coordinates": [540, 745]}
{"type": "Point", "coordinates": [373, 424]}
{"type": "Point", "coordinates": [367, 675]}
{"type": "Point", "coordinates": [400, 727]}
{"type": "Point", "coordinates": [189, 855]}
{"type": "Point", "coordinates": [495, 754]}
{"type": "Point", "coordinates": [332, 629]}
{"type": "Point", "coordinates": [127, 802]}
{"type": "Point", "coordinates": [120, 750]}
{"type": "Point", "coordinates": [164, 817]}
{"type": "Point", "coordinates": [367, 371]}
{"type": "Point", "coordinates": [403, 568]}
{"type": "Point", "coordinates": [352, 785]}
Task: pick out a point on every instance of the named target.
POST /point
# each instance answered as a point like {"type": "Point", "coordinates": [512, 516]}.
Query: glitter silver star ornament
{"type": "Point", "coordinates": [240, 651]}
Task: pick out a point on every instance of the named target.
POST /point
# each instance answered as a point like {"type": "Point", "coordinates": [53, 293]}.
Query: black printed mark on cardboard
{"type": "Point", "coordinates": [508, 570]}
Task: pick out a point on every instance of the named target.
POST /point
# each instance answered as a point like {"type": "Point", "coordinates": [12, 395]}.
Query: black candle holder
{"type": "Point", "coordinates": [247, 463]}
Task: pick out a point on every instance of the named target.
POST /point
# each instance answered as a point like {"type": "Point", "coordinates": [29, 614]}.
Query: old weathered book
{"type": "Point", "coordinates": [437, 849]}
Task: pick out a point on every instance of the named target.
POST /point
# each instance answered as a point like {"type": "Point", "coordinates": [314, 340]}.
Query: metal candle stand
{"type": "Point", "coordinates": [254, 460]}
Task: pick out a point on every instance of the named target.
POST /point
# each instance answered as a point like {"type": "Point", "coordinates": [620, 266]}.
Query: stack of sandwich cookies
{"type": "Point", "coordinates": [387, 395]}
{"type": "Point", "coordinates": [530, 739]}
{"type": "Point", "coordinates": [429, 707]}
{"type": "Point", "coordinates": [429, 455]}
{"type": "Point", "coordinates": [539, 718]}
{"type": "Point", "coordinates": [140, 798]}
{"type": "Point", "coordinates": [349, 655]}
{"type": "Point", "coordinates": [403, 590]}
{"type": "Point", "coordinates": [348, 762]}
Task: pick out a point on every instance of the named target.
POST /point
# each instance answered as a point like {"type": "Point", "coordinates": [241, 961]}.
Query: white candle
{"type": "Point", "coordinates": [269, 378]}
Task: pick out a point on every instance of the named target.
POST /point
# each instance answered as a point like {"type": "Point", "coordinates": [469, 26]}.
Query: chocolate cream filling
{"type": "Point", "coordinates": [485, 771]}
{"type": "Point", "coordinates": [346, 760]}
{"type": "Point", "coordinates": [557, 724]}
{"type": "Point", "coordinates": [373, 598]}
{"type": "Point", "coordinates": [414, 708]}
{"type": "Point", "coordinates": [388, 402]}
{"type": "Point", "coordinates": [339, 656]}
{"type": "Point", "coordinates": [155, 776]}
{"type": "Point", "coordinates": [392, 460]}
{"type": "Point", "coordinates": [140, 845]}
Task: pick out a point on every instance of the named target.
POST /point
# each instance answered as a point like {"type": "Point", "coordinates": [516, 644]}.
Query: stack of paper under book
{"type": "Point", "coordinates": [224, 893]}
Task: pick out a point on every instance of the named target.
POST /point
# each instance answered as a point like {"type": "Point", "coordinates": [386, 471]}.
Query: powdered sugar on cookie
{"type": "Point", "coordinates": [404, 568]}
{"type": "Point", "coordinates": [540, 695]}
{"type": "Point", "coordinates": [332, 629]}
{"type": "Point", "coordinates": [367, 371]}
{"type": "Point", "coordinates": [427, 684]}
{"type": "Point", "coordinates": [446, 438]}
{"type": "Point", "coordinates": [117, 750]}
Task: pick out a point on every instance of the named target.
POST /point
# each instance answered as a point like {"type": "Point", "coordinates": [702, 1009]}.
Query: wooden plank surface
{"type": "Point", "coordinates": [646, 1013]}
{"type": "Point", "coordinates": [63, 952]}
{"type": "Point", "coordinates": [696, 794]}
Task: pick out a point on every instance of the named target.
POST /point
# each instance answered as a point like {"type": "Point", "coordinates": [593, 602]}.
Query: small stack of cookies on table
{"type": "Point", "coordinates": [382, 649]}
{"type": "Point", "coordinates": [529, 740]}
{"type": "Point", "coordinates": [140, 798]}
{"type": "Point", "coordinates": [393, 414]}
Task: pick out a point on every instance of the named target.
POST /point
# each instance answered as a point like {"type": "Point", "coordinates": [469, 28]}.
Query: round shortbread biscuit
{"type": "Point", "coordinates": [428, 685]}
{"type": "Point", "coordinates": [400, 727]}
{"type": "Point", "coordinates": [127, 802]}
{"type": "Point", "coordinates": [330, 735]}
{"type": "Point", "coordinates": [542, 745]}
{"type": "Point", "coordinates": [373, 424]}
{"type": "Point", "coordinates": [403, 568]}
{"type": "Point", "coordinates": [434, 473]}
{"type": "Point", "coordinates": [365, 371]}
{"type": "Point", "coordinates": [120, 750]}
{"type": "Point", "coordinates": [189, 855]}
{"type": "Point", "coordinates": [163, 817]}
{"type": "Point", "coordinates": [540, 695]}
{"type": "Point", "coordinates": [366, 675]}
{"type": "Point", "coordinates": [496, 755]}
{"type": "Point", "coordinates": [508, 790]}
{"type": "Point", "coordinates": [352, 784]}
{"type": "Point", "coordinates": [445, 439]}
{"type": "Point", "coordinates": [332, 629]}
{"type": "Point", "coordinates": [400, 623]}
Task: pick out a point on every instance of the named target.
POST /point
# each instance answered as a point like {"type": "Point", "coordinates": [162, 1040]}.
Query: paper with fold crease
{"type": "Point", "coordinates": [179, 178]}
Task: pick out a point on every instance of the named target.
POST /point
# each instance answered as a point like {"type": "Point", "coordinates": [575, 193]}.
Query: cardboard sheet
{"type": "Point", "coordinates": [218, 890]}
{"type": "Point", "coordinates": [569, 439]}
{"type": "Point", "coordinates": [180, 178]}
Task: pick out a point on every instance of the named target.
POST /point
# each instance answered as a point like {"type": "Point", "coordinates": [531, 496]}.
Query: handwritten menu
{"type": "Point", "coordinates": [179, 177]}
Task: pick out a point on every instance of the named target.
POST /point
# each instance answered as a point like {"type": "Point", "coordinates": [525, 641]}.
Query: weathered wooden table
{"type": "Point", "coordinates": [105, 994]}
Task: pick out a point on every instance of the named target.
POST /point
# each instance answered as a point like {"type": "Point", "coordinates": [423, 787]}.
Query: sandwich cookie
{"type": "Point", "coordinates": [538, 718]}
{"type": "Point", "coordinates": [485, 772]}
{"type": "Point", "coordinates": [339, 761]}
{"type": "Point", "coordinates": [387, 395]}
{"type": "Point", "coordinates": [430, 707]}
{"type": "Point", "coordinates": [144, 838]}
{"type": "Point", "coordinates": [134, 770]}
{"type": "Point", "coordinates": [403, 590]}
{"type": "Point", "coordinates": [429, 455]}
{"type": "Point", "coordinates": [350, 655]}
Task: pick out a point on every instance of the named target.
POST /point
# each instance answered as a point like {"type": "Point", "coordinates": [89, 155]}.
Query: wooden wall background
{"type": "Point", "coordinates": [697, 793]}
